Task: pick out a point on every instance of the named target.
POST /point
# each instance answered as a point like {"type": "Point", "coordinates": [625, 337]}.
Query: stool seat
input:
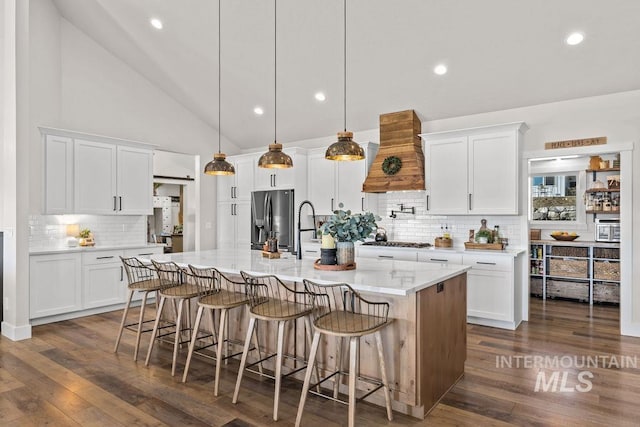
{"type": "Point", "coordinates": [348, 324]}
{"type": "Point", "coordinates": [145, 285]}
{"type": "Point", "coordinates": [186, 290]}
{"type": "Point", "coordinates": [280, 310]}
{"type": "Point", "coordinates": [223, 299]}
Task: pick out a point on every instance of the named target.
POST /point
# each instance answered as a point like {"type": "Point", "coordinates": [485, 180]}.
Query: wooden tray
{"type": "Point", "coordinates": [271, 255]}
{"type": "Point", "coordinates": [335, 267]}
{"type": "Point", "coordinates": [441, 242]}
{"type": "Point", "coordinates": [484, 246]}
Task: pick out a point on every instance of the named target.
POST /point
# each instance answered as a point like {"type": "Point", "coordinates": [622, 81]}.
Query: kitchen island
{"type": "Point", "coordinates": [425, 345]}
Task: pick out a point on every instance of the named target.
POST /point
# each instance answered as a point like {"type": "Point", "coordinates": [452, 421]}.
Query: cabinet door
{"type": "Point", "coordinates": [447, 176]}
{"type": "Point", "coordinates": [322, 183]}
{"type": "Point", "coordinates": [102, 285]}
{"type": "Point", "coordinates": [493, 173]}
{"type": "Point", "coordinates": [351, 175]}
{"type": "Point", "coordinates": [58, 175]}
{"type": "Point", "coordinates": [284, 179]}
{"type": "Point", "coordinates": [225, 187]}
{"type": "Point", "coordinates": [135, 181]}
{"type": "Point", "coordinates": [243, 225]}
{"type": "Point", "coordinates": [489, 295]}
{"type": "Point", "coordinates": [263, 178]}
{"type": "Point", "coordinates": [245, 167]}
{"type": "Point", "coordinates": [95, 178]}
{"type": "Point", "coordinates": [54, 284]}
{"type": "Point", "coordinates": [226, 225]}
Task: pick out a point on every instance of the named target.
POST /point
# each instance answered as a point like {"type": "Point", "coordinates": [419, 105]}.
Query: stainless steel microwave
{"type": "Point", "coordinates": [608, 230]}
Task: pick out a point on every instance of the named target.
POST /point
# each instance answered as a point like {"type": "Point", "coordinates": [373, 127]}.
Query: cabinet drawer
{"type": "Point", "coordinates": [439, 257]}
{"type": "Point", "coordinates": [143, 252]}
{"type": "Point", "coordinates": [101, 257]}
{"type": "Point", "coordinates": [395, 254]}
{"type": "Point", "coordinates": [488, 262]}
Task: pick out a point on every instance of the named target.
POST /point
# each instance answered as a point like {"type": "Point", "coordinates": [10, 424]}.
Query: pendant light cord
{"type": "Point", "coordinates": [275, 70]}
{"type": "Point", "coordinates": [219, 76]}
{"type": "Point", "coordinates": [344, 16]}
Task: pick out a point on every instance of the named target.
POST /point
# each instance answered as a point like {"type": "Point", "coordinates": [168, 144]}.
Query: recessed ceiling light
{"type": "Point", "coordinates": [156, 23]}
{"type": "Point", "coordinates": [320, 96]}
{"type": "Point", "coordinates": [575, 38]}
{"type": "Point", "coordinates": [258, 111]}
{"type": "Point", "coordinates": [440, 69]}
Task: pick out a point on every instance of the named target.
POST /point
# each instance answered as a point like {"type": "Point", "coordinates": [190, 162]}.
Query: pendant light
{"type": "Point", "coordinates": [275, 158]}
{"type": "Point", "coordinates": [219, 164]}
{"type": "Point", "coordinates": [345, 148]}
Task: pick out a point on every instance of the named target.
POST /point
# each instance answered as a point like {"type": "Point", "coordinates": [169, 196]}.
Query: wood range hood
{"type": "Point", "coordinates": [398, 137]}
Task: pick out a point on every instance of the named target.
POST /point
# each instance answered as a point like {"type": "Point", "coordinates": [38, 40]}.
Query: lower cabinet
{"type": "Point", "coordinates": [55, 284]}
{"type": "Point", "coordinates": [102, 279]}
{"type": "Point", "coordinates": [398, 254]}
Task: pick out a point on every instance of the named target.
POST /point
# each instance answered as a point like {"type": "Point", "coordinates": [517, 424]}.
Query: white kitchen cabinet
{"type": "Point", "coordinates": [332, 182]}
{"type": "Point", "coordinates": [439, 257]}
{"type": "Point", "coordinates": [111, 179]}
{"type": "Point", "coordinates": [58, 174]}
{"type": "Point", "coordinates": [239, 185]}
{"type": "Point", "coordinates": [474, 171]}
{"type": "Point", "coordinates": [382, 253]}
{"type": "Point", "coordinates": [491, 290]}
{"type": "Point", "coordinates": [102, 279]}
{"type": "Point", "coordinates": [55, 284]}
{"type": "Point", "coordinates": [234, 225]}
{"type": "Point", "coordinates": [286, 178]}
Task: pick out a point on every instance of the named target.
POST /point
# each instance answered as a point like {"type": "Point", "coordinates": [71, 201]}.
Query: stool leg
{"type": "Point", "coordinates": [307, 376]}
{"type": "Point", "coordinates": [309, 343]}
{"type": "Point", "coordinates": [192, 344]}
{"type": "Point", "coordinates": [383, 375]}
{"type": "Point", "coordinates": [223, 318]}
{"type": "Point", "coordinates": [143, 304]}
{"type": "Point", "coordinates": [353, 358]}
{"type": "Point", "coordinates": [176, 343]}
{"type": "Point", "coordinates": [212, 326]}
{"type": "Point", "coordinates": [243, 361]}
{"type": "Point", "coordinates": [256, 344]}
{"type": "Point", "coordinates": [124, 319]}
{"type": "Point", "coordinates": [155, 330]}
{"type": "Point", "coordinates": [336, 381]}
{"type": "Point", "coordinates": [280, 351]}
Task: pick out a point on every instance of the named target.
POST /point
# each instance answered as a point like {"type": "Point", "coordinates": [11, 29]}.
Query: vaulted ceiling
{"type": "Point", "coordinates": [500, 54]}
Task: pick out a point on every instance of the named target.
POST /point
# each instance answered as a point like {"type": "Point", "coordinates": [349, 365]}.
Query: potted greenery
{"type": "Point", "coordinates": [484, 236]}
{"type": "Point", "coordinates": [347, 228]}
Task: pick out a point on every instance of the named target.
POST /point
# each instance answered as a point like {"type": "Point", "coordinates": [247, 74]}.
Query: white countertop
{"type": "Point", "coordinates": [63, 250]}
{"type": "Point", "coordinates": [454, 250]}
{"type": "Point", "coordinates": [371, 275]}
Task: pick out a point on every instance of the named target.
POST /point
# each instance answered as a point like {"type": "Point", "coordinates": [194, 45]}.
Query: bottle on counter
{"type": "Point", "coordinates": [496, 234]}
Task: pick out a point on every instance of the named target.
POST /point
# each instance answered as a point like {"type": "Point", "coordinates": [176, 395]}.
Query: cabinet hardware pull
{"type": "Point", "coordinates": [440, 287]}
{"type": "Point", "coordinates": [149, 253]}
{"type": "Point", "coordinates": [274, 179]}
{"type": "Point", "coordinates": [427, 202]}
{"type": "Point", "coordinates": [385, 256]}
{"type": "Point", "coordinates": [104, 257]}
{"type": "Point", "coordinates": [362, 203]}
{"type": "Point", "coordinates": [310, 251]}
{"type": "Point", "coordinates": [231, 208]}
{"type": "Point", "coordinates": [120, 202]}
{"type": "Point", "coordinates": [469, 201]}
{"type": "Point", "coordinates": [485, 263]}
{"type": "Point", "coordinates": [115, 201]}
{"type": "Point", "coordinates": [231, 192]}
{"type": "Point", "coordinates": [439, 260]}
{"type": "Point", "coordinates": [121, 274]}
{"type": "Point", "coordinates": [332, 204]}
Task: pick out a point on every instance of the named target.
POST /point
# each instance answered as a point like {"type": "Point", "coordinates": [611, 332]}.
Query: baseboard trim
{"type": "Point", "coordinates": [16, 333]}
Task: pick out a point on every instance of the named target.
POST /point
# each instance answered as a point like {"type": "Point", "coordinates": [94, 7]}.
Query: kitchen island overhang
{"type": "Point", "coordinates": [425, 345]}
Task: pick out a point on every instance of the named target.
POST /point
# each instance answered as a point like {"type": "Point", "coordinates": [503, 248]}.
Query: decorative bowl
{"type": "Point", "coordinates": [564, 238]}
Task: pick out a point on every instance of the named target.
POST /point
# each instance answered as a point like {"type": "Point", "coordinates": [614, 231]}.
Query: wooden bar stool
{"type": "Point", "coordinates": [225, 294]}
{"type": "Point", "coordinates": [340, 311]}
{"type": "Point", "coordinates": [272, 300]}
{"type": "Point", "coordinates": [179, 286]}
{"type": "Point", "coordinates": [144, 279]}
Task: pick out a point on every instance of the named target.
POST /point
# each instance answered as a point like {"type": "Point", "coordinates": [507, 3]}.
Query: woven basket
{"type": "Point", "coordinates": [568, 268]}
{"type": "Point", "coordinates": [605, 270]}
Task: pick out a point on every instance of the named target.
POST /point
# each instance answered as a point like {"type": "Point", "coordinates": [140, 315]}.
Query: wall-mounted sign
{"type": "Point", "coordinates": [572, 143]}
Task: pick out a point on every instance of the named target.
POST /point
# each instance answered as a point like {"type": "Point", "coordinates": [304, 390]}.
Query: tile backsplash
{"type": "Point", "coordinates": [49, 231]}
{"type": "Point", "coordinates": [422, 227]}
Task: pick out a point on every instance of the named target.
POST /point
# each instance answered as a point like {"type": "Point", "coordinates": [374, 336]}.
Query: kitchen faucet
{"type": "Point", "coordinates": [300, 229]}
{"type": "Point", "coordinates": [403, 209]}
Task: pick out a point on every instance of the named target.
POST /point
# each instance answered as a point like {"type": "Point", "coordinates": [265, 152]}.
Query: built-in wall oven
{"type": "Point", "coordinates": [608, 230]}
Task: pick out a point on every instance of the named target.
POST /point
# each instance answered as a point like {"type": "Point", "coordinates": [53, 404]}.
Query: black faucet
{"type": "Point", "coordinates": [313, 212]}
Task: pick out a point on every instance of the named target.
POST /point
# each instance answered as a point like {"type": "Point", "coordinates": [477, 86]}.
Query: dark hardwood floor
{"type": "Point", "coordinates": [67, 375]}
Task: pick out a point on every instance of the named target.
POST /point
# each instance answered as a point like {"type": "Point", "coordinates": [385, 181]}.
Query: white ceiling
{"type": "Point", "coordinates": [500, 53]}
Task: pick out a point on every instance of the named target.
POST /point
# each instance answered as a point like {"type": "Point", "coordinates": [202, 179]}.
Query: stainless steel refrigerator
{"type": "Point", "coordinates": [272, 211]}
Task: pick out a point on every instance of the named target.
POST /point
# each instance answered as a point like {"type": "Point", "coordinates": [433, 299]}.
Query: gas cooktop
{"type": "Point", "coordinates": [399, 244]}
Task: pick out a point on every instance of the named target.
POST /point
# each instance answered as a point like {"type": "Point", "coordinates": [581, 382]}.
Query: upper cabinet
{"type": "Point", "coordinates": [331, 182]}
{"type": "Point", "coordinates": [474, 171]}
{"type": "Point", "coordinates": [89, 174]}
{"type": "Point", "coordinates": [238, 186]}
{"type": "Point", "coordinates": [283, 179]}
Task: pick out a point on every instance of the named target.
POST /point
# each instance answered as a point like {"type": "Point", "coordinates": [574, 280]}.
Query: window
{"type": "Point", "coordinates": [554, 197]}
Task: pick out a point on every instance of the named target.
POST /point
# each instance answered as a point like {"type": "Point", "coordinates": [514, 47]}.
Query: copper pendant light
{"type": "Point", "coordinates": [219, 164]}
{"type": "Point", "coordinates": [275, 158]}
{"type": "Point", "coordinates": [345, 148]}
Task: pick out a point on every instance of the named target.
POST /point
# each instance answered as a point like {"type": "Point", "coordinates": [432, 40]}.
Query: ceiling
{"type": "Point", "coordinates": [500, 54]}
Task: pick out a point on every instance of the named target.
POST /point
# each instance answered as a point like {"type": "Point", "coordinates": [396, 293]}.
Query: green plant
{"type": "Point", "coordinates": [485, 233]}
{"type": "Point", "coordinates": [85, 233]}
{"type": "Point", "coordinates": [344, 226]}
